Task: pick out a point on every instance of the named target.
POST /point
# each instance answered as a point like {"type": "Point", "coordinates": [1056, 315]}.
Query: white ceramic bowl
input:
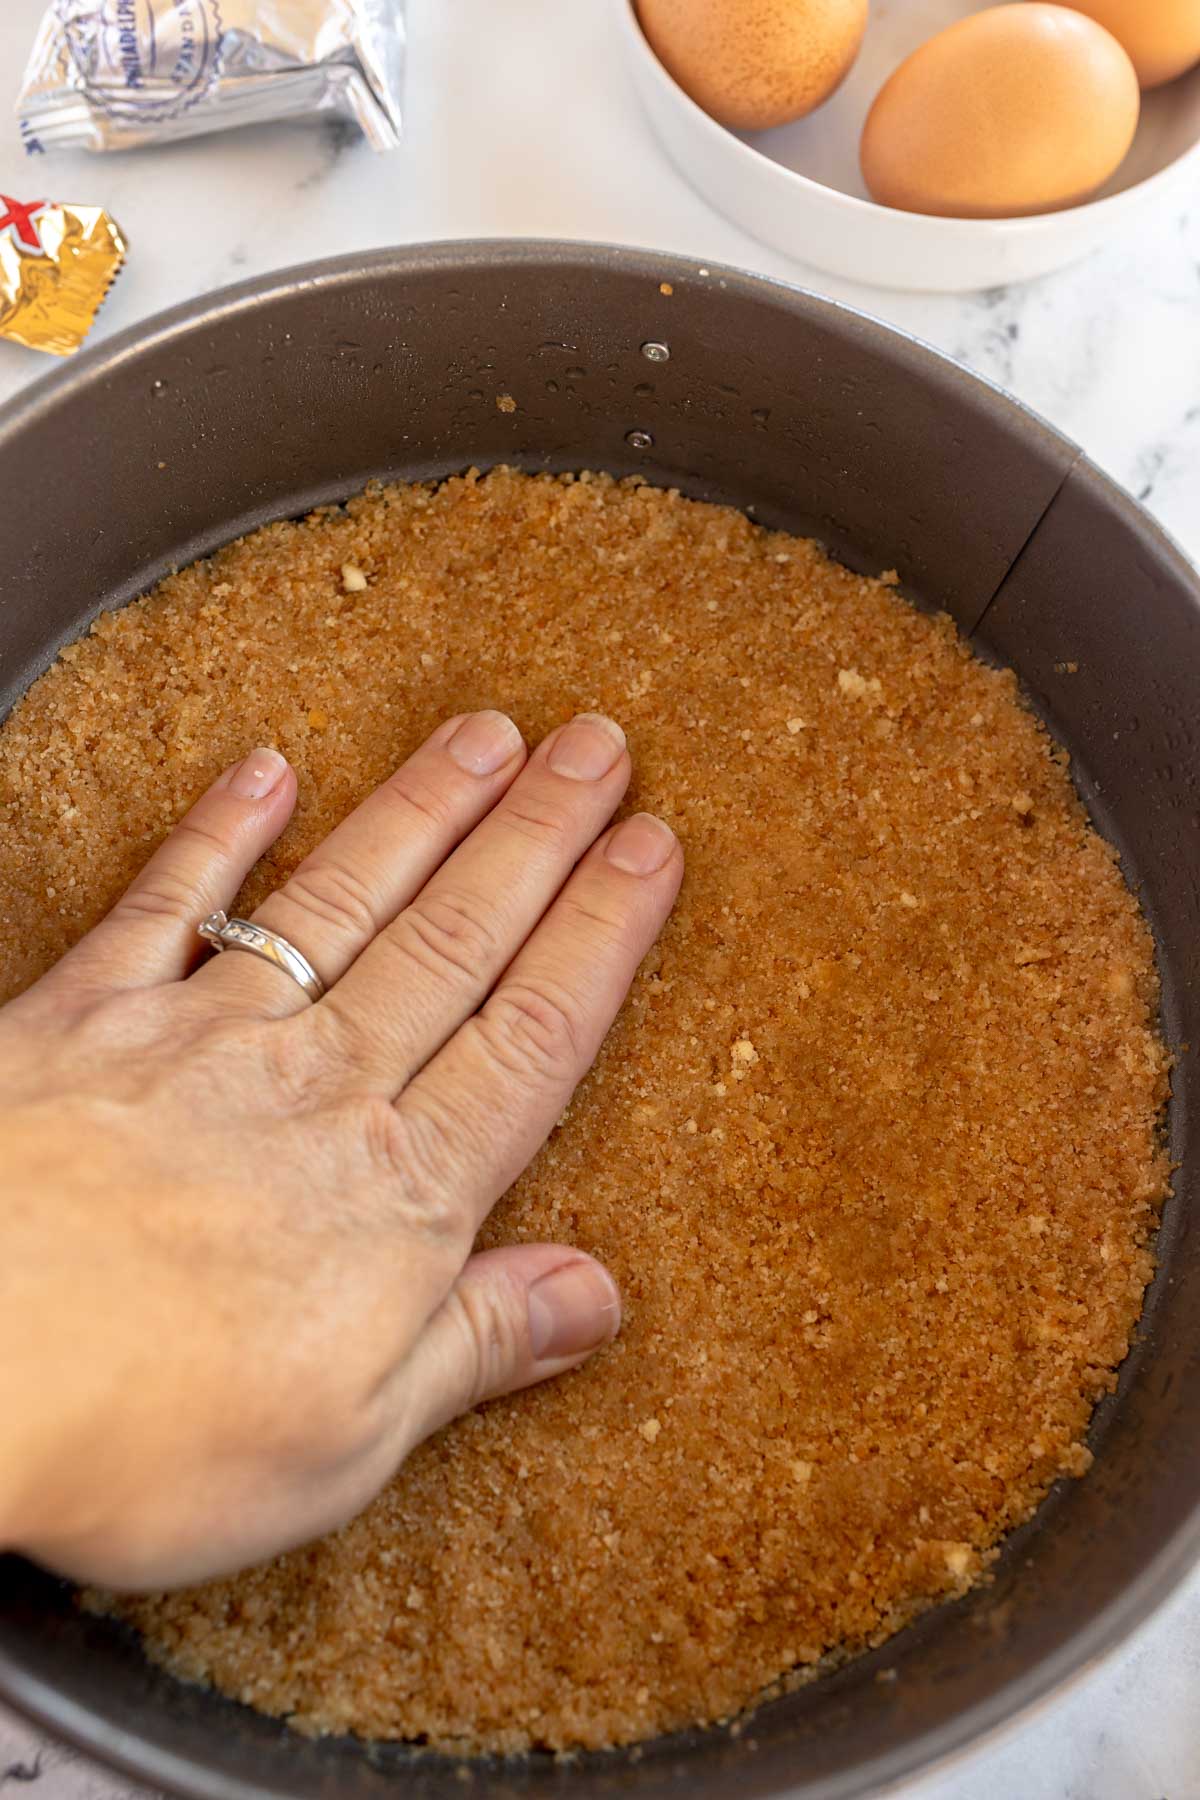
{"type": "Point", "coordinates": [799, 189]}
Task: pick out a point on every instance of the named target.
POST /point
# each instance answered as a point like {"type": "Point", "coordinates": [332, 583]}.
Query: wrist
{"type": "Point", "coordinates": [50, 1374]}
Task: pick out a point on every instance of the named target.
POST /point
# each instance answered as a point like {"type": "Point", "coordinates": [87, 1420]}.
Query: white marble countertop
{"type": "Point", "coordinates": [519, 121]}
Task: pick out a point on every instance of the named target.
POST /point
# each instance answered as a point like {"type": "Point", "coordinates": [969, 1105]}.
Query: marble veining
{"type": "Point", "coordinates": [519, 121]}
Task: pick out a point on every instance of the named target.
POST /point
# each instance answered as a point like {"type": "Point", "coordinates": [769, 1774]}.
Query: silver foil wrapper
{"type": "Point", "coordinates": [116, 74]}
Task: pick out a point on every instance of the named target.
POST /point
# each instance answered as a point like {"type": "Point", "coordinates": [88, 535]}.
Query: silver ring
{"type": "Point", "coordinates": [240, 934]}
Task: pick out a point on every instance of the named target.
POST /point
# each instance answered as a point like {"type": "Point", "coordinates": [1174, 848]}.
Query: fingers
{"type": "Point", "coordinates": [513, 1317]}
{"type": "Point", "coordinates": [150, 935]}
{"type": "Point", "coordinates": [481, 1109]}
{"type": "Point", "coordinates": [432, 967]}
{"type": "Point", "coordinates": [366, 870]}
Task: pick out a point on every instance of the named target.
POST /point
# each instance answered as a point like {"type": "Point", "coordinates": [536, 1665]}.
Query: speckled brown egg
{"type": "Point", "coordinates": [1018, 109]}
{"type": "Point", "coordinates": [1162, 37]}
{"type": "Point", "coordinates": [755, 63]}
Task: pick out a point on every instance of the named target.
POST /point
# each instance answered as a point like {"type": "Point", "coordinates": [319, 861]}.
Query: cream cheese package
{"type": "Point", "coordinates": [118, 74]}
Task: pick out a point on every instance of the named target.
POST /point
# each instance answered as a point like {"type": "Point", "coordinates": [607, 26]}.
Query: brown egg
{"type": "Point", "coordinates": [1161, 36]}
{"type": "Point", "coordinates": [1018, 109]}
{"type": "Point", "coordinates": [754, 63]}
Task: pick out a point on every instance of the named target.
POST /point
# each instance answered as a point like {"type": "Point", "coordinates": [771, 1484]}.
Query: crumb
{"type": "Point", "coordinates": [506, 403]}
{"type": "Point", "coordinates": [856, 685]}
{"type": "Point", "coordinates": [664, 287]}
{"type": "Point", "coordinates": [795, 725]}
{"type": "Point", "coordinates": [1076, 1460]}
{"type": "Point", "coordinates": [354, 581]}
{"type": "Point", "coordinates": [650, 1429]}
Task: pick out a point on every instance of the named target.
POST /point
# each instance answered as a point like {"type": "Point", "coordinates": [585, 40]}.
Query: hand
{"type": "Point", "coordinates": [236, 1279]}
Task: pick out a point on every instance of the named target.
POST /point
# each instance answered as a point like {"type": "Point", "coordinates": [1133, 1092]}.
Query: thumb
{"type": "Point", "coordinates": [513, 1317]}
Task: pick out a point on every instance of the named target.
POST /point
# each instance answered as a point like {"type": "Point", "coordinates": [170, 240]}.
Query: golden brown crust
{"type": "Point", "coordinates": [872, 1149]}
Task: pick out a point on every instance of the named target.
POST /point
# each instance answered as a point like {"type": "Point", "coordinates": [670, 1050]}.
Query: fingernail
{"type": "Point", "coordinates": [576, 1307]}
{"type": "Point", "coordinates": [588, 748]}
{"type": "Point", "coordinates": [484, 743]}
{"type": "Point", "coordinates": [259, 775]}
{"type": "Point", "coordinates": [640, 845]}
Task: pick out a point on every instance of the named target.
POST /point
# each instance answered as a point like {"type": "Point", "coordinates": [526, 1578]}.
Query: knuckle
{"type": "Point", "coordinates": [160, 894]}
{"type": "Point", "coordinates": [413, 1156]}
{"type": "Point", "coordinates": [419, 802]}
{"type": "Point", "coordinates": [535, 1031]}
{"type": "Point", "coordinates": [222, 1045]}
{"type": "Point", "coordinates": [129, 1022]}
{"type": "Point", "coordinates": [297, 1075]}
{"type": "Point", "coordinates": [43, 1012]}
{"type": "Point", "coordinates": [542, 820]}
{"type": "Point", "coordinates": [81, 1027]}
{"type": "Point", "coordinates": [336, 896]}
{"type": "Point", "coordinates": [383, 1134]}
{"type": "Point", "coordinates": [449, 934]}
{"type": "Point", "coordinates": [492, 1322]}
{"type": "Point", "coordinates": [588, 922]}
{"type": "Point", "coordinates": [193, 830]}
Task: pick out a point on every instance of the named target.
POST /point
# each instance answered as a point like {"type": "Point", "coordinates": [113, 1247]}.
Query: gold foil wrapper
{"type": "Point", "coordinates": [57, 262]}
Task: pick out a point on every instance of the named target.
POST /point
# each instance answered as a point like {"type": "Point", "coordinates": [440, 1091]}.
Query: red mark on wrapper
{"type": "Point", "coordinates": [19, 219]}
